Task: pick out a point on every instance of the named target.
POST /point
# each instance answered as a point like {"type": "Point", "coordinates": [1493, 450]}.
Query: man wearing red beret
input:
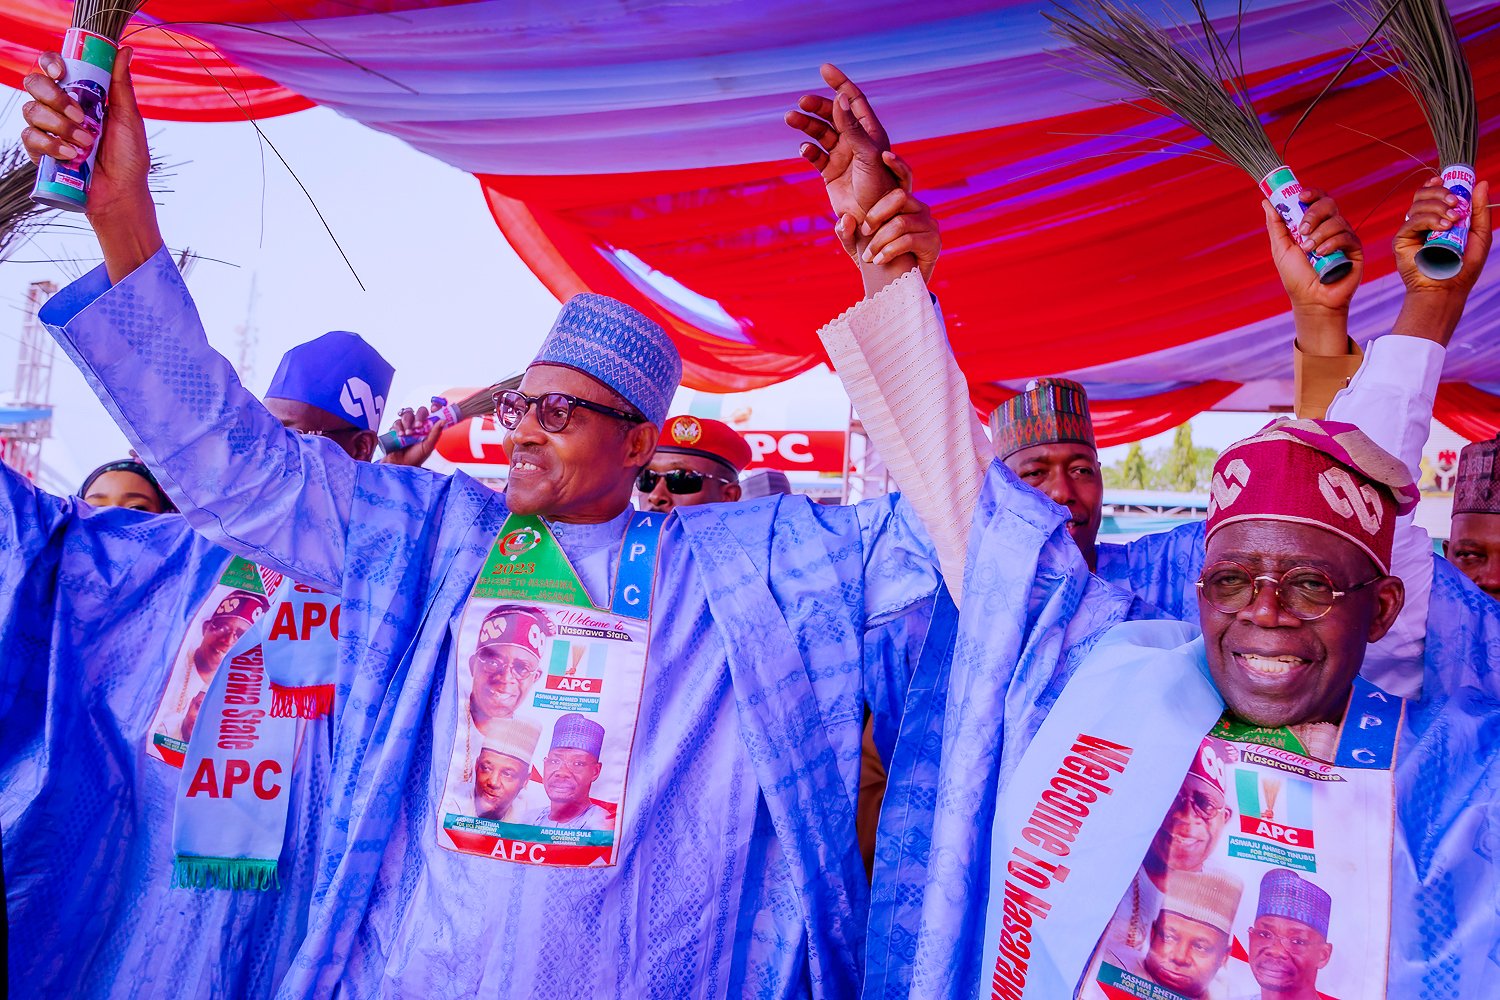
{"type": "Point", "coordinates": [697, 461]}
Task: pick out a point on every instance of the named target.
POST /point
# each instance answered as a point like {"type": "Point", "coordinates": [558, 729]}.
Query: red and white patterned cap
{"type": "Point", "coordinates": [1318, 472]}
{"type": "Point", "coordinates": [241, 604]}
{"type": "Point", "coordinates": [514, 625]}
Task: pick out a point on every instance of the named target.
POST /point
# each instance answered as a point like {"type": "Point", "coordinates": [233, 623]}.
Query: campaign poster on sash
{"type": "Point", "coordinates": [1269, 877]}
{"type": "Point", "coordinates": [547, 689]}
{"type": "Point", "coordinates": [242, 595]}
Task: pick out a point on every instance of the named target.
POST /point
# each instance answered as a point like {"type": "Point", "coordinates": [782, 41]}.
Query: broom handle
{"type": "Point", "coordinates": [1282, 188]}
{"type": "Point", "coordinates": [473, 405]}
{"type": "Point", "coordinates": [1442, 255]}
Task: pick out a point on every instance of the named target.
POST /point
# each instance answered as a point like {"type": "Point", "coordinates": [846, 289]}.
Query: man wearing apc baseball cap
{"type": "Point", "coordinates": [347, 411]}
{"type": "Point", "coordinates": [697, 461]}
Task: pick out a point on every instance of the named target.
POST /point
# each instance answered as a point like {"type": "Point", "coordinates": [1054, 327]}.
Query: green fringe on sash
{"type": "Point", "coordinates": [190, 872]}
{"type": "Point", "coordinates": [311, 702]}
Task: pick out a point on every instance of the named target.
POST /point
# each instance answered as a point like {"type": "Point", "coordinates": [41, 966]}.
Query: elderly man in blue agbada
{"type": "Point", "coordinates": [722, 656]}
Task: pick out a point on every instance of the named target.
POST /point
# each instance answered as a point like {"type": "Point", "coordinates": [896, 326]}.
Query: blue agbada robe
{"type": "Point", "coordinates": [93, 605]}
{"type": "Point", "coordinates": [974, 706]}
{"type": "Point", "coordinates": [738, 871]}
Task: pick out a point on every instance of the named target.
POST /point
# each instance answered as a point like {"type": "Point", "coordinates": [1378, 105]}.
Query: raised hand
{"type": "Point", "coordinates": [1322, 232]}
{"type": "Point", "coordinates": [1432, 308]}
{"type": "Point", "coordinates": [410, 424]}
{"type": "Point", "coordinates": [897, 225]}
{"type": "Point", "coordinates": [846, 147]}
{"type": "Point", "coordinates": [1434, 208]}
{"type": "Point", "coordinates": [119, 206]}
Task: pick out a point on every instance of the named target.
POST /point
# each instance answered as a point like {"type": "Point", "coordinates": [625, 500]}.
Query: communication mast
{"type": "Point", "coordinates": [249, 340]}
{"type": "Point", "coordinates": [28, 421]}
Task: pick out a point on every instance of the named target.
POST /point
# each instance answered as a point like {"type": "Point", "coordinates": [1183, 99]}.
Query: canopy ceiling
{"type": "Point", "coordinates": [637, 149]}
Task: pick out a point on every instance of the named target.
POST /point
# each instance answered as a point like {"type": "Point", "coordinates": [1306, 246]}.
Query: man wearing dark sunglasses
{"type": "Point", "coordinates": [697, 461]}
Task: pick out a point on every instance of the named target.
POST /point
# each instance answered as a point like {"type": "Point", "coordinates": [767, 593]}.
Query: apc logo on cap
{"type": "Point", "coordinates": [686, 430]}
{"type": "Point", "coordinates": [361, 403]}
{"type": "Point", "coordinates": [520, 541]}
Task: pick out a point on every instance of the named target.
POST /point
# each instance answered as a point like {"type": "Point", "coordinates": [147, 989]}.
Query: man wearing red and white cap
{"type": "Point", "coordinates": [1188, 834]}
{"type": "Point", "coordinates": [697, 461]}
{"type": "Point", "coordinates": [506, 662]}
{"type": "Point", "coordinates": [231, 619]}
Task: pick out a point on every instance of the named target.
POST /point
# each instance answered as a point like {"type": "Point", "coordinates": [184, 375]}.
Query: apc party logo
{"type": "Point", "coordinates": [520, 542]}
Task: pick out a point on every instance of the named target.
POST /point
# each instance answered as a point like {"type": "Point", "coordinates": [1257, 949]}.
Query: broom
{"type": "Point", "coordinates": [1118, 44]}
{"type": "Point", "coordinates": [19, 215]}
{"type": "Point", "coordinates": [476, 405]}
{"type": "Point", "coordinates": [1418, 41]}
{"type": "Point", "coordinates": [88, 50]}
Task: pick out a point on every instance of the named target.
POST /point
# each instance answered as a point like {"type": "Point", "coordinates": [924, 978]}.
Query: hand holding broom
{"type": "Point", "coordinates": [85, 70]}
{"type": "Point", "coordinates": [1434, 305]}
{"type": "Point", "coordinates": [119, 207]}
{"type": "Point", "coordinates": [1420, 45]}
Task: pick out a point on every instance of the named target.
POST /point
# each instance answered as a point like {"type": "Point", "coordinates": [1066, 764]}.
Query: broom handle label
{"type": "Point", "coordinates": [1459, 180]}
{"type": "Point", "coordinates": [88, 62]}
{"type": "Point", "coordinates": [1282, 189]}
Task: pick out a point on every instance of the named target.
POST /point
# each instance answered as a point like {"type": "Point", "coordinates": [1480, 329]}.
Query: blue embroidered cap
{"type": "Point", "coordinates": [577, 732]}
{"type": "Point", "coordinates": [1284, 893]}
{"type": "Point", "coordinates": [338, 372]}
{"type": "Point", "coordinates": [608, 340]}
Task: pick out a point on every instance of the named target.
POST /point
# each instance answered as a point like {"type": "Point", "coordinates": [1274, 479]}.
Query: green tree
{"type": "Point", "coordinates": [1179, 471]}
{"type": "Point", "coordinates": [1135, 471]}
{"type": "Point", "coordinates": [1182, 467]}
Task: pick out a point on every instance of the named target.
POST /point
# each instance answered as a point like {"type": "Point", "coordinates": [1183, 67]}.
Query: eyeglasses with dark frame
{"type": "Point", "coordinates": [1201, 803]}
{"type": "Point", "coordinates": [680, 482]}
{"type": "Point", "coordinates": [1306, 593]}
{"type": "Point", "coordinates": [554, 410]}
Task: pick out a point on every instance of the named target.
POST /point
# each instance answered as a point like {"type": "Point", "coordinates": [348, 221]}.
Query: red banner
{"type": "Point", "coordinates": [481, 441]}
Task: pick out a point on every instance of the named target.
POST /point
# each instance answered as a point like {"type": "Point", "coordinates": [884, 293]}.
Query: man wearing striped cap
{"type": "Point", "coordinates": [1473, 543]}
{"type": "Point", "coordinates": [1046, 436]}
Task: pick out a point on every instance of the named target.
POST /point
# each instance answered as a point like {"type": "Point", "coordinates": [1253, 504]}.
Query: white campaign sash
{"type": "Point", "coordinates": [1289, 819]}
{"type": "Point", "coordinates": [1091, 793]}
{"type": "Point", "coordinates": [589, 673]}
{"type": "Point", "coordinates": [1075, 818]}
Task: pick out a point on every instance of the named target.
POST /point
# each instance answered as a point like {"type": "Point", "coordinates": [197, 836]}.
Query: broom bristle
{"type": "Point", "coordinates": [1118, 44]}
{"type": "Point", "coordinates": [105, 17]}
{"type": "Point", "coordinates": [19, 214]}
{"type": "Point", "coordinates": [1418, 40]}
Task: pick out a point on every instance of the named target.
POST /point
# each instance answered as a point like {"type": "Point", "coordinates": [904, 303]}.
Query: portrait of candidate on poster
{"type": "Point", "coordinates": [242, 595]}
{"type": "Point", "coordinates": [1235, 899]}
{"type": "Point", "coordinates": [545, 708]}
